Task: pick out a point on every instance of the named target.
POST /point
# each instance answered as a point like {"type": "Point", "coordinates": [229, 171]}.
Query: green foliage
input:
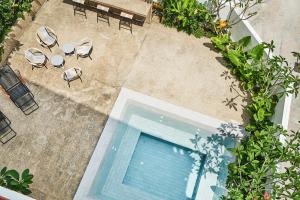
{"type": "Point", "coordinates": [221, 42]}
{"type": "Point", "coordinates": [189, 16]}
{"type": "Point", "coordinates": [10, 11]}
{"type": "Point", "coordinates": [261, 107]}
{"type": "Point", "coordinates": [199, 33]}
{"type": "Point", "coordinates": [255, 170]}
{"type": "Point", "coordinates": [289, 180]}
{"type": "Point", "coordinates": [266, 79]}
{"type": "Point", "coordinates": [256, 71]}
{"type": "Point", "coordinates": [11, 179]}
{"type": "Point", "coordinates": [256, 159]}
{"type": "Point", "coordinates": [244, 42]}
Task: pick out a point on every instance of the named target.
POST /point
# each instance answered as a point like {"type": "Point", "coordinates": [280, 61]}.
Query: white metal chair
{"type": "Point", "coordinates": [46, 37]}
{"type": "Point", "coordinates": [36, 57]}
{"type": "Point", "coordinates": [84, 48]}
{"type": "Point", "coordinates": [72, 74]}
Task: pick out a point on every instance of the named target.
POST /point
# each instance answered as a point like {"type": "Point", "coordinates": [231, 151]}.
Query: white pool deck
{"type": "Point", "coordinates": [126, 97]}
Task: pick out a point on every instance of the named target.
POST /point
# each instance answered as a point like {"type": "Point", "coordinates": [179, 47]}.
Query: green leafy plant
{"type": "Point", "coordinates": [261, 109]}
{"type": "Point", "coordinates": [256, 160]}
{"type": "Point", "coordinates": [258, 72]}
{"type": "Point", "coordinates": [221, 42]}
{"type": "Point", "coordinates": [254, 173]}
{"type": "Point", "coordinates": [189, 16]}
{"type": "Point", "coordinates": [11, 179]}
{"type": "Point", "coordinates": [288, 185]}
{"type": "Point", "coordinates": [198, 33]}
{"type": "Point", "coordinates": [10, 11]}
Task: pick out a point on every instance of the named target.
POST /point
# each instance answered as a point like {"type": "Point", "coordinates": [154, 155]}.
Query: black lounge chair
{"type": "Point", "coordinates": [6, 132]}
{"type": "Point", "coordinates": [18, 92]}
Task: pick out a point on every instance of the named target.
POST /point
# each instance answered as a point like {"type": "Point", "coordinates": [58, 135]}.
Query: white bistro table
{"type": "Point", "coordinates": [68, 48]}
{"type": "Point", "coordinates": [57, 61]}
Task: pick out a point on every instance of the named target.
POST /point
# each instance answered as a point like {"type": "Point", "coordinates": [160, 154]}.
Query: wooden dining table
{"type": "Point", "coordinates": [139, 8]}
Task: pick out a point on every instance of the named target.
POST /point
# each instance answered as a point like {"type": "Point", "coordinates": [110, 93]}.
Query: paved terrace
{"type": "Point", "coordinates": [56, 141]}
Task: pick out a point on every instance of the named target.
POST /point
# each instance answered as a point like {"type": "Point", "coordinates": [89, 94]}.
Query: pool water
{"type": "Point", "coordinates": [160, 168]}
{"type": "Point", "coordinates": [151, 157]}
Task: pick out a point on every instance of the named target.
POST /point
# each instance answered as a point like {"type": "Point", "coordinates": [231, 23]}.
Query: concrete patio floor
{"type": "Point", "coordinates": [56, 141]}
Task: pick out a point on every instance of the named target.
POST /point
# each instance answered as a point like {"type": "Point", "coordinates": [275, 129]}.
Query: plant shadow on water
{"type": "Point", "coordinates": [216, 149]}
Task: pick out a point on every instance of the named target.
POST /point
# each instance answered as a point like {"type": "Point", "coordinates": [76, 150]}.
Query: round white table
{"type": "Point", "coordinates": [68, 48]}
{"type": "Point", "coordinates": [57, 61]}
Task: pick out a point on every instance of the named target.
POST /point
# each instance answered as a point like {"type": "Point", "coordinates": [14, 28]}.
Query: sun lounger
{"type": "Point", "coordinates": [17, 90]}
{"type": "Point", "coordinates": [6, 132]}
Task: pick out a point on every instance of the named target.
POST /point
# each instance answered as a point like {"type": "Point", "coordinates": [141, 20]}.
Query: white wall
{"type": "Point", "coordinates": [282, 111]}
{"type": "Point", "coordinates": [242, 29]}
{"type": "Point", "coordinates": [12, 195]}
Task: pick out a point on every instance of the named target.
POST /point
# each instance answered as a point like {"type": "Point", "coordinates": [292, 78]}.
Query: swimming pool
{"type": "Point", "coordinates": [152, 150]}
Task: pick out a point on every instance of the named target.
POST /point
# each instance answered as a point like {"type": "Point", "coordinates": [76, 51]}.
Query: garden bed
{"type": "Point", "coordinates": [11, 41]}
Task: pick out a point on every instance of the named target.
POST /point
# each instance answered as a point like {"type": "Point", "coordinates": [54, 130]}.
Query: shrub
{"type": "Point", "coordinates": [254, 173]}
{"type": "Point", "coordinates": [10, 11]}
{"type": "Point", "coordinates": [11, 179]}
{"type": "Point", "coordinates": [189, 16]}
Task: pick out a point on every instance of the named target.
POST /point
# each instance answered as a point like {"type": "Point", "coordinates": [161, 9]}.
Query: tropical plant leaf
{"type": "Point", "coordinates": [11, 179]}
{"type": "Point", "coordinates": [234, 57]}
{"type": "Point", "coordinates": [220, 42]}
{"type": "Point", "coordinates": [14, 183]}
{"type": "Point", "coordinates": [244, 42]}
{"type": "Point", "coordinates": [13, 173]}
{"type": "Point", "coordinates": [3, 171]}
{"type": "Point", "coordinates": [25, 173]}
{"type": "Point", "coordinates": [28, 178]}
{"type": "Point", "coordinates": [257, 52]}
{"type": "Point", "coordinates": [26, 191]}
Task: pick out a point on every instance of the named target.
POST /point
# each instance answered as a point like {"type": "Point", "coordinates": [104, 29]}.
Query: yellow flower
{"type": "Point", "coordinates": [222, 24]}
